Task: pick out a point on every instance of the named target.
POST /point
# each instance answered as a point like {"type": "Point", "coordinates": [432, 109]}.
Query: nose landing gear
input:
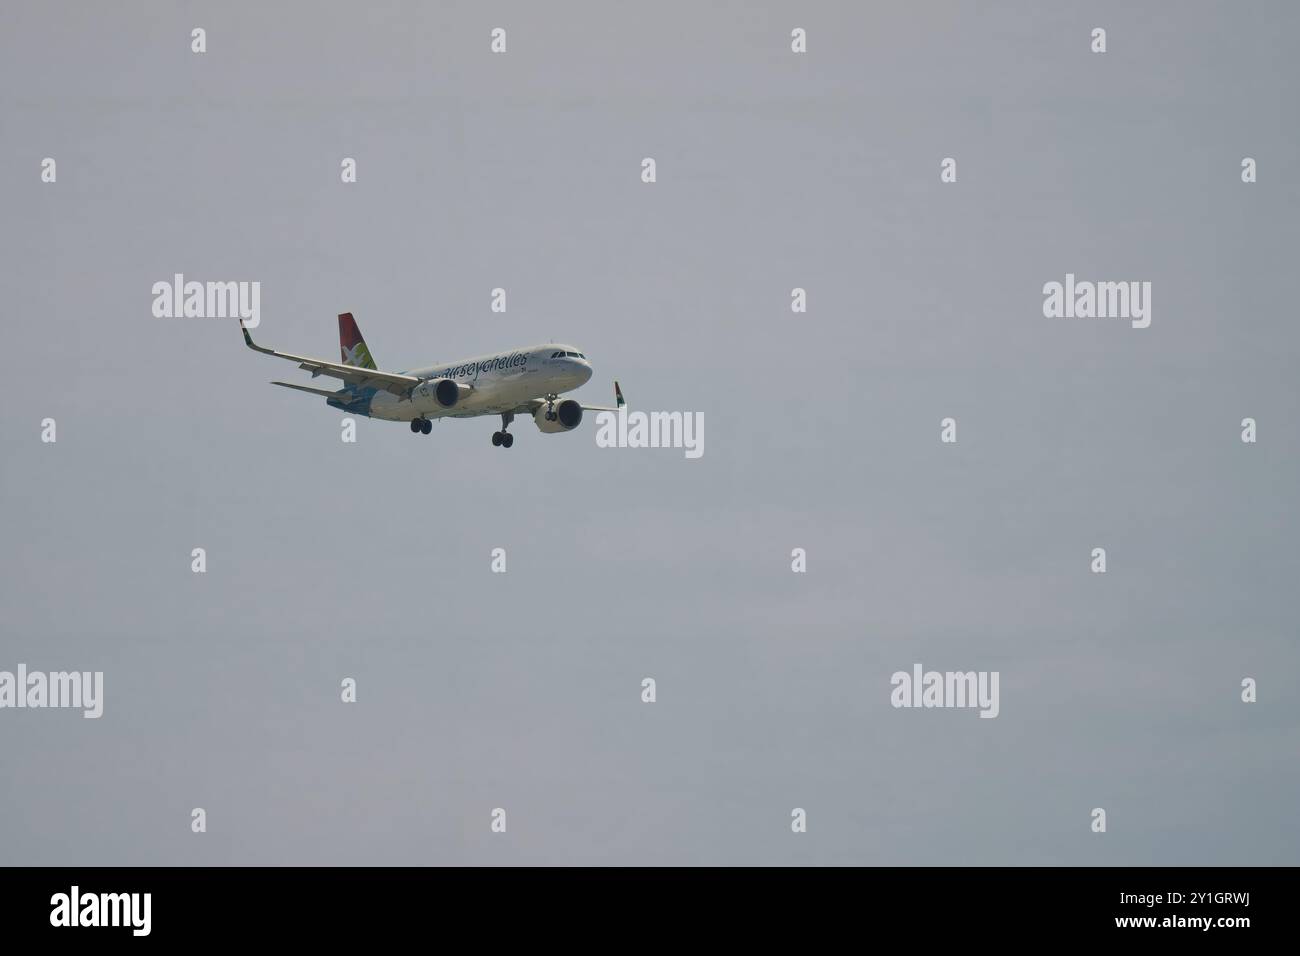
{"type": "Point", "coordinates": [421, 425]}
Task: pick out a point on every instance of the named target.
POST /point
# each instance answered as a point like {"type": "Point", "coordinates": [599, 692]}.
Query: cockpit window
{"type": "Point", "coordinates": [556, 354]}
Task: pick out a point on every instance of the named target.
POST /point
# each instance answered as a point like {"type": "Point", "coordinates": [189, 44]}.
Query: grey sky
{"type": "Point", "coordinates": [479, 690]}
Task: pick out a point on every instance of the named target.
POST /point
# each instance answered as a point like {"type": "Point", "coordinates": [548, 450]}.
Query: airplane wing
{"type": "Point", "coordinates": [533, 404]}
{"type": "Point", "coordinates": [618, 402]}
{"type": "Point", "coordinates": [399, 385]}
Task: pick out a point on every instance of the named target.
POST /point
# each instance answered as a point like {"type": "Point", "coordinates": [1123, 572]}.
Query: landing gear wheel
{"type": "Point", "coordinates": [503, 437]}
{"type": "Point", "coordinates": [426, 426]}
{"type": "Point", "coordinates": [415, 425]}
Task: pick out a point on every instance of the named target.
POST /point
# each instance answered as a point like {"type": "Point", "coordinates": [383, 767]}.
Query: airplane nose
{"type": "Point", "coordinates": [585, 371]}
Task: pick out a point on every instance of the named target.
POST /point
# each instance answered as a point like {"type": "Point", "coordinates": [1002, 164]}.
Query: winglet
{"type": "Point", "coordinates": [618, 393]}
{"type": "Point", "coordinates": [248, 340]}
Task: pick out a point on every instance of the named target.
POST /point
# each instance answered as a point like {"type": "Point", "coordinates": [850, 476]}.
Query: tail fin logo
{"type": "Point", "coordinates": [352, 345]}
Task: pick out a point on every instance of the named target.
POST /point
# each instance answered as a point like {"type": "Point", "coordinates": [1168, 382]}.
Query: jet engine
{"type": "Point", "coordinates": [444, 391]}
{"type": "Point", "coordinates": [567, 416]}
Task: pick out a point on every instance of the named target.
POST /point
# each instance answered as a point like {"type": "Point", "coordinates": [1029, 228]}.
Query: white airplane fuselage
{"type": "Point", "coordinates": [489, 384]}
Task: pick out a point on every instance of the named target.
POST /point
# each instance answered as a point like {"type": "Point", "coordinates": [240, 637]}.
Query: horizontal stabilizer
{"type": "Point", "coordinates": [315, 391]}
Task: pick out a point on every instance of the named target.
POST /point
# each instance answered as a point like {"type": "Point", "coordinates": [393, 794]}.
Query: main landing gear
{"type": "Point", "coordinates": [421, 425]}
{"type": "Point", "coordinates": [503, 439]}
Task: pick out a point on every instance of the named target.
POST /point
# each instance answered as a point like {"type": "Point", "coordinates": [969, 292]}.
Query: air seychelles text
{"type": "Point", "coordinates": [472, 369]}
{"type": "Point", "coordinates": [624, 429]}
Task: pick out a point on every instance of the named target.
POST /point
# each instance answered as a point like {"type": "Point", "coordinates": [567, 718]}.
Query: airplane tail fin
{"type": "Point", "coordinates": [351, 344]}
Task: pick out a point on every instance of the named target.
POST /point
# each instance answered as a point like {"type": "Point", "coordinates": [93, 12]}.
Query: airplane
{"type": "Point", "coordinates": [526, 381]}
